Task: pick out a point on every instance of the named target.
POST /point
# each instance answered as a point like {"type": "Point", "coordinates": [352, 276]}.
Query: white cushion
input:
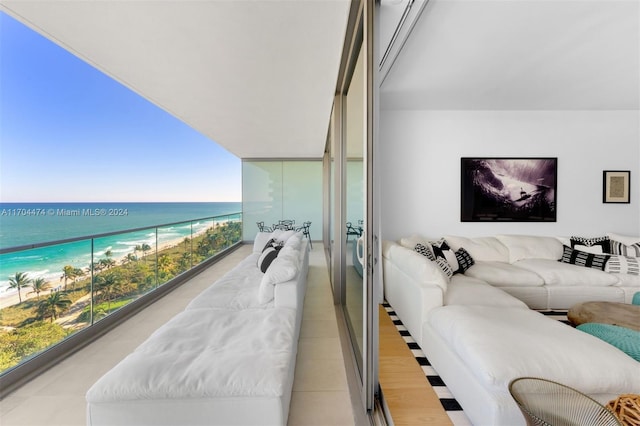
{"type": "Point", "coordinates": [281, 270]}
{"type": "Point", "coordinates": [531, 247]}
{"type": "Point", "coordinates": [628, 280]}
{"type": "Point", "coordinates": [463, 290]}
{"type": "Point", "coordinates": [503, 274]}
{"type": "Point", "coordinates": [627, 240]}
{"type": "Point", "coordinates": [498, 345]}
{"type": "Point", "coordinates": [204, 353]}
{"type": "Point", "coordinates": [480, 248]}
{"type": "Point", "coordinates": [556, 273]}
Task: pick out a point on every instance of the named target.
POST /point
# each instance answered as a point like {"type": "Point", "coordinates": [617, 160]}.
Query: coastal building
{"type": "Point", "coordinates": [355, 115]}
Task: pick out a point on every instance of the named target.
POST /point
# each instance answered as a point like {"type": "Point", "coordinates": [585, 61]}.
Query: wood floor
{"type": "Point", "coordinates": [409, 396]}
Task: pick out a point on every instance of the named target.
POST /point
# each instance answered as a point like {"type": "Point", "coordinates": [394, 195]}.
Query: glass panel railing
{"type": "Point", "coordinates": [43, 288]}
{"type": "Point", "coordinates": [53, 291]}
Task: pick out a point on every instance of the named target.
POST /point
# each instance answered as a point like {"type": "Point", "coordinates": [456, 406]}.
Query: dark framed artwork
{"type": "Point", "coordinates": [506, 189]}
{"type": "Point", "coordinates": [616, 186]}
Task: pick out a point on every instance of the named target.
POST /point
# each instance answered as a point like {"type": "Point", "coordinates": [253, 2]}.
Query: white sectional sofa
{"type": "Point", "coordinates": [227, 359]}
{"type": "Point", "coordinates": [478, 332]}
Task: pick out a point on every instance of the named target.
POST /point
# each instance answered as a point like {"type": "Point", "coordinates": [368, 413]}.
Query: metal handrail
{"type": "Point", "coordinates": [104, 234]}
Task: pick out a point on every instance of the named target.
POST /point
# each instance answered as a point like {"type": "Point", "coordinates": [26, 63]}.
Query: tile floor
{"type": "Point", "coordinates": [320, 393]}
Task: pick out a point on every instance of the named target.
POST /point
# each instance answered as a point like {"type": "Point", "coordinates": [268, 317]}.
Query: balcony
{"type": "Point", "coordinates": [320, 393]}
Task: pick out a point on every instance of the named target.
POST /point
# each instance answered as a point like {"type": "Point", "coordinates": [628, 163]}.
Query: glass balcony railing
{"type": "Point", "coordinates": [73, 284]}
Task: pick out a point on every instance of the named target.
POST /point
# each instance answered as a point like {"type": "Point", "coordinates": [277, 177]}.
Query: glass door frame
{"type": "Point", "coordinates": [360, 35]}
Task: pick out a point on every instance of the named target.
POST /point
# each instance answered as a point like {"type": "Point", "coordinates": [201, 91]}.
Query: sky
{"type": "Point", "coordinates": [69, 133]}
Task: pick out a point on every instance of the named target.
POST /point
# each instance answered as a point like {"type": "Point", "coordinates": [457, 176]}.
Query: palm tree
{"type": "Point", "coordinates": [165, 265]}
{"type": "Point", "coordinates": [106, 285]}
{"type": "Point", "coordinates": [19, 281]}
{"type": "Point", "coordinates": [68, 273]}
{"type": "Point", "coordinates": [53, 305]}
{"type": "Point", "coordinates": [107, 263]}
{"type": "Point", "coordinates": [39, 285]}
{"type": "Point", "coordinates": [129, 258]}
{"type": "Point", "coordinates": [184, 262]}
{"type": "Point", "coordinates": [145, 248]}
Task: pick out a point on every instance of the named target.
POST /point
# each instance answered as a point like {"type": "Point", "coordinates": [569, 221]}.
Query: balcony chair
{"type": "Point", "coordinates": [263, 228]}
{"type": "Point", "coordinates": [287, 223]}
{"type": "Point", "coordinates": [351, 230]}
{"type": "Point", "coordinates": [305, 231]}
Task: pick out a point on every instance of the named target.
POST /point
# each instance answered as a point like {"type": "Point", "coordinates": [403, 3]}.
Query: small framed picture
{"type": "Point", "coordinates": [615, 186]}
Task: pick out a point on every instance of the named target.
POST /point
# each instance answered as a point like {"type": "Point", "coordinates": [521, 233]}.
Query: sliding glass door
{"type": "Point", "coordinates": [348, 161]}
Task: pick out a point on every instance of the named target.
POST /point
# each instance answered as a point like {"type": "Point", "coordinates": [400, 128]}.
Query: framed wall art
{"type": "Point", "coordinates": [615, 186]}
{"type": "Point", "coordinates": [508, 189]}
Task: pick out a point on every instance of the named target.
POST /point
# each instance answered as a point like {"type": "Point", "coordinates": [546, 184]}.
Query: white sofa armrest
{"type": "Point", "coordinates": [411, 285]}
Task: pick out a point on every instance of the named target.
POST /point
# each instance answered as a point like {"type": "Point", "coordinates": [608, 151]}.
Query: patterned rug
{"type": "Point", "coordinates": [449, 403]}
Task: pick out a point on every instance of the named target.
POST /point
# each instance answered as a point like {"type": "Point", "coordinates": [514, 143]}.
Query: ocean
{"type": "Point", "coordinates": [34, 223]}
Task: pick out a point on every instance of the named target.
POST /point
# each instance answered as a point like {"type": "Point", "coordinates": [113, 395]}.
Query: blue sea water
{"type": "Point", "coordinates": [34, 223]}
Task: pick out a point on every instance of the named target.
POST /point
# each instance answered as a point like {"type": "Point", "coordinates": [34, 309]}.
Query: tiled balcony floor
{"type": "Point", "coordinates": [320, 394]}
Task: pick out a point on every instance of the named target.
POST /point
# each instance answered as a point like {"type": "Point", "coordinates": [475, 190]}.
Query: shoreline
{"type": "Point", "coordinates": [10, 298]}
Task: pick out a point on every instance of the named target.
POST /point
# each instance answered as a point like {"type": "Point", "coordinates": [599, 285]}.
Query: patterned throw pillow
{"type": "Point", "coordinates": [596, 245]}
{"type": "Point", "coordinates": [582, 258]}
{"type": "Point", "coordinates": [423, 250]}
{"type": "Point", "coordinates": [268, 255]}
{"type": "Point", "coordinates": [465, 261]}
{"type": "Point", "coordinates": [632, 250]}
{"type": "Point", "coordinates": [441, 249]}
{"type": "Point", "coordinates": [623, 265]}
{"type": "Point", "coordinates": [444, 265]}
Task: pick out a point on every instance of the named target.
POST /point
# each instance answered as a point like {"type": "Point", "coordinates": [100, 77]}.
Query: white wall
{"type": "Point", "coordinates": [420, 176]}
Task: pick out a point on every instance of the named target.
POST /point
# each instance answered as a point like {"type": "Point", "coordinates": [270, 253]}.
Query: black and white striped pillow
{"type": "Point", "coordinates": [444, 265]}
{"type": "Point", "coordinates": [582, 258]}
{"type": "Point", "coordinates": [623, 265]}
{"type": "Point", "coordinates": [619, 248]}
{"type": "Point", "coordinates": [268, 255]}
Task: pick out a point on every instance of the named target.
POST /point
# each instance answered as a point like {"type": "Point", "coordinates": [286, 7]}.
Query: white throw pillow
{"type": "Point", "coordinates": [281, 270]}
{"type": "Point", "coordinates": [282, 236]}
{"type": "Point", "coordinates": [294, 240]}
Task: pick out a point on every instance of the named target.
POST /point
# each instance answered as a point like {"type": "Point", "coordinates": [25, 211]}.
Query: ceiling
{"type": "Point", "coordinates": [256, 76]}
{"type": "Point", "coordinates": [519, 55]}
